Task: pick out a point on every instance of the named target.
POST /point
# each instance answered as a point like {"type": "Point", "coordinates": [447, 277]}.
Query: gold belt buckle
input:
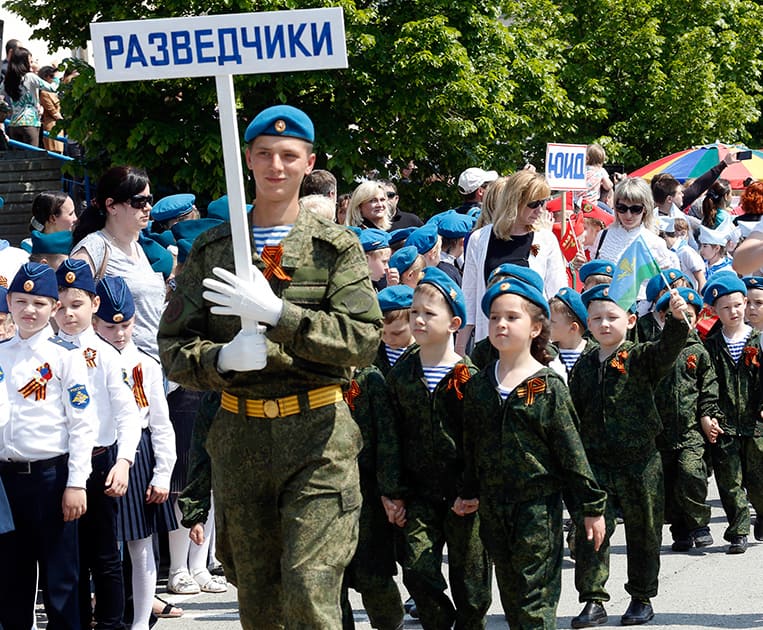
{"type": "Point", "coordinates": [270, 409]}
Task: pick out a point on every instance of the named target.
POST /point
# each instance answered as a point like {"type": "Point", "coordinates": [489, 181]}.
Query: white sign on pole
{"type": "Point", "coordinates": [213, 45]}
{"type": "Point", "coordinates": [565, 166]}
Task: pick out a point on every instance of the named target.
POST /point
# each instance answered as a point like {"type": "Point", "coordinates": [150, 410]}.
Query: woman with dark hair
{"type": "Point", "coordinates": [52, 211]}
{"type": "Point", "coordinates": [22, 86]}
{"type": "Point", "coordinates": [715, 204]}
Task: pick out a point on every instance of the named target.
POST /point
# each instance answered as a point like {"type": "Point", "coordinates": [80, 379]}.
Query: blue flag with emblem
{"type": "Point", "coordinates": [635, 266]}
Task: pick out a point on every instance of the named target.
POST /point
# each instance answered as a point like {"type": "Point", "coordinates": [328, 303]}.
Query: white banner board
{"type": "Point", "coordinates": [216, 45]}
{"type": "Point", "coordinates": [565, 166]}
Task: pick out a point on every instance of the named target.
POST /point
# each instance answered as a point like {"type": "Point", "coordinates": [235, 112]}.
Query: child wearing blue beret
{"type": "Point", "coordinates": [649, 325]}
{"type": "Point", "coordinates": [568, 326]}
{"type": "Point", "coordinates": [754, 311]}
{"type": "Point", "coordinates": [409, 265]}
{"type": "Point", "coordinates": [395, 303]}
{"type": "Point", "coordinates": [596, 271]}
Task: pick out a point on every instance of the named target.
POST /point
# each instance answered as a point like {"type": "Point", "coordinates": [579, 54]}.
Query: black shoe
{"type": "Point", "coordinates": [593, 614]}
{"type": "Point", "coordinates": [702, 537]}
{"type": "Point", "coordinates": [682, 544]}
{"type": "Point", "coordinates": [638, 612]}
{"type": "Point", "coordinates": [410, 608]}
{"type": "Point", "coordinates": [738, 545]}
{"type": "Point", "coordinates": [757, 529]}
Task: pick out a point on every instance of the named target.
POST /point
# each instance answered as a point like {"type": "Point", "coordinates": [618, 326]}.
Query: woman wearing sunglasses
{"type": "Point", "coordinates": [515, 204]}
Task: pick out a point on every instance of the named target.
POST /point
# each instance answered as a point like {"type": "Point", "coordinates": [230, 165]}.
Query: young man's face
{"type": "Point", "coordinates": [608, 323]}
{"type": "Point", "coordinates": [278, 164]}
{"type": "Point", "coordinates": [31, 313]}
{"type": "Point", "coordinates": [76, 312]}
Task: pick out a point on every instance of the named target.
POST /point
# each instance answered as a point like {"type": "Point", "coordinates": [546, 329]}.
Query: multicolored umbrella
{"type": "Point", "coordinates": [693, 162]}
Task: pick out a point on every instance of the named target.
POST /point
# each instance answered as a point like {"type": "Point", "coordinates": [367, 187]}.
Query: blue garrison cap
{"type": "Point", "coordinates": [454, 225]}
{"type": "Point", "coordinates": [657, 283]}
{"type": "Point", "coordinates": [172, 206]}
{"type": "Point", "coordinates": [423, 238]}
{"type": "Point", "coordinates": [53, 243]}
{"type": "Point", "coordinates": [190, 229]}
{"type": "Point", "coordinates": [395, 298]}
{"type": "Point", "coordinates": [73, 273]}
{"type": "Point", "coordinates": [573, 300]}
{"type": "Point", "coordinates": [372, 239]}
{"type": "Point", "coordinates": [281, 120]}
{"type": "Point", "coordinates": [395, 236]}
{"type": "Point", "coordinates": [165, 238]}
{"type": "Point", "coordinates": [3, 299]}
{"type": "Point", "coordinates": [219, 209]}
{"type": "Point", "coordinates": [687, 293]}
{"type": "Point", "coordinates": [517, 287]}
{"type": "Point", "coordinates": [596, 267]}
{"type": "Point", "coordinates": [722, 283]}
{"type": "Point", "coordinates": [117, 304]}
{"type": "Point", "coordinates": [403, 258]}
{"type": "Point", "coordinates": [161, 260]}
{"type": "Point", "coordinates": [753, 282]}
{"type": "Point", "coordinates": [450, 290]}
{"type": "Point", "coordinates": [599, 292]}
{"type": "Point", "coordinates": [35, 279]}
{"type": "Point", "coordinates": [525, 274]}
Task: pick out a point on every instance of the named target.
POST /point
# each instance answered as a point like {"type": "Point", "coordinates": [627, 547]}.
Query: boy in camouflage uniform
{"type": "Point", "coordinates": [612, 387]}
{"type": "Point", "coordinates": [283, 445]}
{"type": "Point", "coordinates": [426, 393]}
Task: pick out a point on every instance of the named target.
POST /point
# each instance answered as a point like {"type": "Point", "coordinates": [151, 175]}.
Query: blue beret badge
{"type": "Point", "coordinates": [78, 396]}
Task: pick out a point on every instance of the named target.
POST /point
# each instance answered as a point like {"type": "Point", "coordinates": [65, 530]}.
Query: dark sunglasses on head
{"type": "Point", "coordinates": [139, 201]}
{"type": "Point", "coordinates": [537, 203]}
{"type": "Point", "coordinates": [391, 195]}
{"type": "Point", "coordinates": [635, 209]}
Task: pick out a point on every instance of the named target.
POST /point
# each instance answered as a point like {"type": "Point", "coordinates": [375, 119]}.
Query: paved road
{"type": "Point", "coordinates": [700, 589]}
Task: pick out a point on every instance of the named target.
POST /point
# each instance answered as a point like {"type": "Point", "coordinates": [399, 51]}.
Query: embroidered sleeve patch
{"type": "Point", "coordinates": [78, 396]}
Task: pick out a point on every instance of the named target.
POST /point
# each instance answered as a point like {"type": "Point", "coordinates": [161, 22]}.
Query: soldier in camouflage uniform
{"type": "Point", "coordinates": [612, 387]}
{"type": "Point", "coordinates": [685, 398]}
{"type": "Point", "coordinates": [283, 445]}
{"type": "Point", "coordinates": [738, 452]}
{"type": "Point", "coordinates": [427, 473]}
{"type": "Point", "coordinates": [522, 449]}
{"type": "Point", "coordinates": [373, 566]}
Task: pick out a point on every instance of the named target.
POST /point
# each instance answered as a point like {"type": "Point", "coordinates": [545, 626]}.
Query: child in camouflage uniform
{"type": "Point", "coordinates": [734, 348]}
{"type": "Point", "coordinates": [522, 449]}
{"type": "Point", "coordinates": [395, 304]}
{"type": "Point", "coordinates": [687, 399]}
{"type": "Point", "coordinates": [612, 387]}
{"type": "Point", "coordinates": [754, 311]}
{"type": "Point", "coordinates": [426, 393]}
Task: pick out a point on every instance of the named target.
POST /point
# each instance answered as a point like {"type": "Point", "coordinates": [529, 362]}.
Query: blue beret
{"type": "Point", "coordinates": [573, 300]}
{"type": "Point", "coordinates": [35, 279]}
{"type": "Point", "coordinates": [722, 283]}
{"type": "Point", "coordinates": [658, 283]}
{"type": "Point", "coordinates": [516, 287]}
{"type": "Point", "coordinates": [372, 239]}
{"type": "Point", "coordinates": [687, 293]}
{"type": "Point", "coordinates": [403, 258]}
{"type": "Point", "coordinates": [596, 267]}
{"type": "Point", "coordinates": [189, 230]}
{"type": "Point", "coordinates": [172, 206]}
{"type": "Point", "coordinates": [455, 225]}
{"type": "Point", "coordinates": [450, 290]}
{"type": "Point", "coordinates": [423, 238]}
{"type": "Point", "coordinates": [165, 238]}
{"type": "Point", "coordinates": [355, 229]}
{"type": "Point", "coordinates": [161, 260]}
{"type": "Point", "coordinates": [117, 304]}
{"type": "Point", "coordinates": [219, 209]}
{"type": "Point", "coordinates": [474, 212]}
{"type": "Point", "coordinates": [599, 292]}
{"type": "Point", "coordinates": [184, 248]}
{"type": "Point", "coordinates": [435, 219]}
{"type": "Point", "coordinates": [281, 120]}
{"type": "Point", "coordinates": [3, 299]}
{"type": "Point", "coordinates": [753, 282]}
{"type": "Point", "coordinates": [2, 203]}
{"type": "Point", "coordinates": [395, 236]}
{"type": "Point", "coordinates": [395, 298]}
{"type": "Point", "coordinates": [525, 274]}
{"type": "Point", "coordinates": [73, 273]}
{"type": "Point", "coordinates": [53, 243]}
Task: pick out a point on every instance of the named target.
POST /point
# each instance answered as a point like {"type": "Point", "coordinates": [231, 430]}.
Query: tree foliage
{"type": "Point", "coordinates": [446, 84]}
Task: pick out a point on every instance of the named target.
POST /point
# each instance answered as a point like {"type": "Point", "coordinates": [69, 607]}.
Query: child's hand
{"type": "Point", "coordinates": [595, 530]}
{"type": "Point", "coordinates": [395, 509]}
{"type": "Point", "coordinates": [677, 304]}
{"type": "Point", "coordinates": [579, 260]}
{"type": "Point", "coordinates": [711, 428]}
{"type": "Point", "coordinates": [74, 503]}
{"type": "Point", "coordinates": [117, 479]}
{"type": "Point", "coordinates": [462, 507]}
{"type": "Point", "coordinates": [393, 276]}
{"type": "Point", "coordinates": [157, 495]}
{"type": "Point", "coordinates": [197, 533]}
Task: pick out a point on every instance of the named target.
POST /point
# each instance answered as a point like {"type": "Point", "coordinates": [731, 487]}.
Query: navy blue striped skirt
{"type": "Point", "coordinates": [138, 519]}
{"type": "Point", "coordinates": [184, 405]}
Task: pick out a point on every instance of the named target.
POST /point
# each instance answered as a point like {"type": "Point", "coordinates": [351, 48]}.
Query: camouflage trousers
{"type": "Point", "coordinates": [287, 502]}
{"type": "Point", "coordinates": [637, 489]}
{"type": "Point", "coordinates": [381, 599]}
{"type": "Point", "coordinates": [685, 475]}
{"type": "Point", "coordinates": [524, 540]}
{"type": "Point", "coordinates": [738, 465]}
{"type": "Point", "coordinates": [430, 526]}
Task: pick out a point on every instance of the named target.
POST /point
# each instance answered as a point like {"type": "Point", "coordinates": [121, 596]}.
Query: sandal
{"type": "Point", "coordinates": [181, 583]}
{"type": "Point", "coordinates": [164, 610]}
{"type": "Point", "coordinates": [209, 583]}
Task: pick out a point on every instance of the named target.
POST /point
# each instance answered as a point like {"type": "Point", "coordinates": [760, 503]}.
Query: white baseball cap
{"type": "Point", "coordinates": [472, 178]}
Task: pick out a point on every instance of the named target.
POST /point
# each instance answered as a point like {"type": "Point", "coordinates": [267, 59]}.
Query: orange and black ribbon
{"type": "Point", "coordinates": [351, 394]}
{"type": "Point", "coordinates": [90, 355]}
{"type": "Point", "coordinates": [618, 362]}
{"type": "Point", "coordinates": [137, 388]}
{"type": "Point", "coordinates": [750, 354]}
{"type": "Point", "coordinates": [271, 256]}
{"type": "Point", "coordinates": [535, 385]}
{"type": "Point", "coordinates": [691, 362]}
{"type": "Point", "coordinates": [459, 377]}
{"type": "Point", "coordinates": [38, 384]}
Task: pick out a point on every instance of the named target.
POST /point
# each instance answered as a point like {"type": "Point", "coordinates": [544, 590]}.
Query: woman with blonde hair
{"type": "Point", "coordinates": [515, 204]}
{"type": "Point", "coordinates": [369, 207]}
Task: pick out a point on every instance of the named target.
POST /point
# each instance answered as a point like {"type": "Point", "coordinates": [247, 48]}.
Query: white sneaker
{"type": "Point", "coordinates": [181, 583]}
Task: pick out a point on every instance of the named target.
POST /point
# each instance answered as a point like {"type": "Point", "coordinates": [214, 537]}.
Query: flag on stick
{"type": "Point", "coordinates": [635, 266]}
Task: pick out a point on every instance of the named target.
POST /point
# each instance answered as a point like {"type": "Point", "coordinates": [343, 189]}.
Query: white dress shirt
{"type": "Point", "coordinates": [63, 421]}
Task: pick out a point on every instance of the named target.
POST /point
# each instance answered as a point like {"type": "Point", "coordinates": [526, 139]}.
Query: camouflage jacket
{"type": "Point", "coordinates": [429, 431]}
{"type": "Point", "coordinates": [687, 393]}
{"type": "Point", "coordinates": [330, 321]}
{"type": "Point", "coordinates": [739, 384]}
{"type": "Point", "coordinates": [647, 328]}
{"type": "Point", "coordinates": [614, 399]}
{"type": "Point", "coordinates": [527, 446]}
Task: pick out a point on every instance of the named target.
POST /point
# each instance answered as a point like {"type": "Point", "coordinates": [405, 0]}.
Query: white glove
{"type": "Point", "coordinates": [246, 351]}
{"type": "Point", "coordinates": [250, 300]}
